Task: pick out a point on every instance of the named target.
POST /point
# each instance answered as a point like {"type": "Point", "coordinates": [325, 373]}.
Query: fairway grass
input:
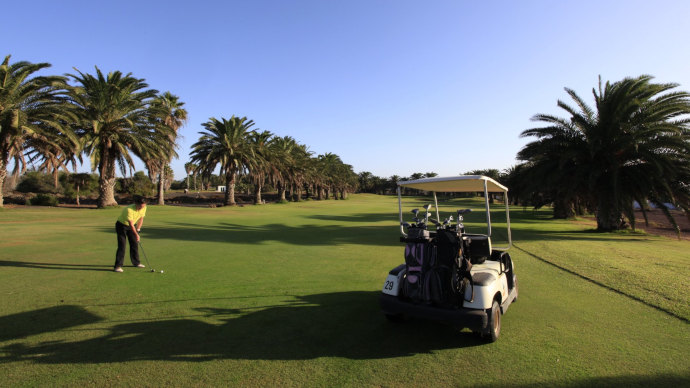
{"type": "Point", "coordinates": [286, 295]}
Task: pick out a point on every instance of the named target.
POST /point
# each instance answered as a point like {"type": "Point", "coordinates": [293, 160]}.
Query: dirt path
{"type": "Point", "coordinates": [659, 224]}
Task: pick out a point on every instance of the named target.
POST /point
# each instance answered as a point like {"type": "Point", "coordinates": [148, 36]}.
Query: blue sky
{"type": "Point", "coordinates": [391, 86]}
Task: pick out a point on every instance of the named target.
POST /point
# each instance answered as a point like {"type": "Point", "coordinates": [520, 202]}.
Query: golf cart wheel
{"type": "Point", "coordinates": [494, 324]}
{"type": "Point", "coordinates": [397, 318]}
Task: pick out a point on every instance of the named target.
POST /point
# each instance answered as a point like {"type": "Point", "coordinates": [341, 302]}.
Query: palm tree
{"type": "Point", "coordinates": [263, 162]}
{"type": "Point", "coordinates": [169, 116]}
{"type": "Point", "coordinates": [302, 169]}
{"type": "Point", "coordinates": [225, 142]}
{"type": "Point", "coordinates": [53, 154]}
{"type": "Point", "coordinates": [393, 182]}
{"type": "Point", "coordinates": [281, 153]}
{"type": "Point", "coordinates": [347, 180]}
{"type": "Point", "coordinates": [189, 168]}
{"type": "Point", "coordinates": [633, 145]}
{"type": "Point", "coordinates": [31, 114]}
{"type": "Point", "coordinates": [78, 180]}
{"type": "Point", "coordinates": [328, 173]}
{"type": "Point", "coordinates": [366, 181]}
{"type": "Point", "coordinates": [115, 122]}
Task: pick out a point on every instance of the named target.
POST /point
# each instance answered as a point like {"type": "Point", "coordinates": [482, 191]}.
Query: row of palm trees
{"type": "Point", "coordinates": [53, 121]}
{"type": "Point", "coordinates": [236, 148]}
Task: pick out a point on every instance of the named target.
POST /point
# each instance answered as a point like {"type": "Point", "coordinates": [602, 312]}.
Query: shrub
{"type": "Point", "coordinates": [87, 184]}
{"type": "Point", "coordinates": [43, 200]}
{"type": "Point", "coordinates": [139, 184]}
{"type": "Point", "coordinates": [36, 182]}
{"type": "Point", "coordinates": [178, 185]}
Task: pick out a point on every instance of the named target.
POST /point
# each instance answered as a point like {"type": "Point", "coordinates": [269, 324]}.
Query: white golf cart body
{"type": "Point", "coordinates": [495, 283]}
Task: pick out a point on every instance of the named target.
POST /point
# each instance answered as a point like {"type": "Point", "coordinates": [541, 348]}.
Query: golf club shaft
{"type": "Point", "coordinates": [144, 252]}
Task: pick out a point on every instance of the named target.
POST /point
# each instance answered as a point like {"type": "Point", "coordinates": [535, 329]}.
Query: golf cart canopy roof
{"type": "Point", "coordinates": [455, 184]}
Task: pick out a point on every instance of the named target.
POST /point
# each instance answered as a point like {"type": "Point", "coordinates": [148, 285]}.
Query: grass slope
{"type": "Point", "coordinates": [287, 295]}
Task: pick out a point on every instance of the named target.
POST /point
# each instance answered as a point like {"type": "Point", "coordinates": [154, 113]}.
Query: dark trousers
{"type": "Point", "coordinates": [124, 233]}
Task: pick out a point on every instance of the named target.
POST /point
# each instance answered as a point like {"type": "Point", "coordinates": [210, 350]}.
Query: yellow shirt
{"type": "Point", "coordinates": [130, 213]}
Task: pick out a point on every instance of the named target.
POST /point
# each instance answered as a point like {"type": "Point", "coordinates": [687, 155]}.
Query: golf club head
{"type": "Point", "coordinates": [426, 207]}
{"type": "Point", "coordinates": [415, 211]}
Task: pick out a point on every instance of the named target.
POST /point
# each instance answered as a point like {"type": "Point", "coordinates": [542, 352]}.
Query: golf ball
{"type": "Point", "coordinates": [161, 271]}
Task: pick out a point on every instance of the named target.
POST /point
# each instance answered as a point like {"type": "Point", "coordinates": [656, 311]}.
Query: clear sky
{"type": "Point", "coordinates": [391, 86]}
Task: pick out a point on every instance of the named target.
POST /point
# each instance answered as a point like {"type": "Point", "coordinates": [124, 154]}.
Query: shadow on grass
{"type": "Point", "coordinates": [73, 267]}
{"type": "Point", "coordinates": [293, 234]}
{"type": "Point", "coordinates": [360, 217]}
{"type": "Point", "coordinates": [660, 380]}
{"type": "Point", "coordinates": [341, 233]}
{"type": "Point", "coordinates": [533, 231]}
{"type": "Point", "coordinates": [44, 320]}
{"type": "Point", "coordinates": [345, 324]}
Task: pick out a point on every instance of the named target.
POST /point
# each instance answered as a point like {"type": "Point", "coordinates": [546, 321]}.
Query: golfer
{"type": "Point", "coordinates": [127, 227]}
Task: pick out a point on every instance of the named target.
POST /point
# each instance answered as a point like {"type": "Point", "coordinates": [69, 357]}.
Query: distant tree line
{"type": "Point", "coordinates": [52, 122]}
{"type": "Point", "coordinates": [237, 149]}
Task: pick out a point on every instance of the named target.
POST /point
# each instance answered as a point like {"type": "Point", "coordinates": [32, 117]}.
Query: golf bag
{"type": "Point", "coordinates": [416, 260]}
{"type": "Point", "coordinates": [438, 279]}
{"type": "Point", "coordinates": [437, 272]}
{"type": "Point", "coordinates": [462, 278]}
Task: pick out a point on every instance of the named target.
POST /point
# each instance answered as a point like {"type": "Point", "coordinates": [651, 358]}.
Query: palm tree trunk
{"type": "Point", "coordinates": [281, 191]}
{"type": "Point", "coordinates": [608, 216]}
{"type": "Point", "coordinates": [230, 189]}
{"type": "Point", "coordinates": [3, 175]}
{"type": "Point", "coordinates": [78, 195]}
{"type": "Point", "coordinates": [106, 181]}
{"type": "Point", "coordinates": [563, 209]}
{"type": "Point", "coordinates": [257, 194]}
{"type": "Point", "coordinates": [161, 178]}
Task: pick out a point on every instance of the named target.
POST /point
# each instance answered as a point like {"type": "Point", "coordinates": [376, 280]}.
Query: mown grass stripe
{"type": "Point", "coordinates": [600, 284]}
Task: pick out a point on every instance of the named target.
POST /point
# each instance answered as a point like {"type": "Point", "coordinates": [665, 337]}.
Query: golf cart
{"type": "Point", "coordinates": [451, 275]}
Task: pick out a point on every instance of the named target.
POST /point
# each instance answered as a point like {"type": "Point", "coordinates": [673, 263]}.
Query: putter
{"type": "Point", "coordinates": [146, 257]}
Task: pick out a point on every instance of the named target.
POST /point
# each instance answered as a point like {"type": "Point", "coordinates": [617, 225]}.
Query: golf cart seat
{"type": "Point", "coordinates": [478, 247]}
